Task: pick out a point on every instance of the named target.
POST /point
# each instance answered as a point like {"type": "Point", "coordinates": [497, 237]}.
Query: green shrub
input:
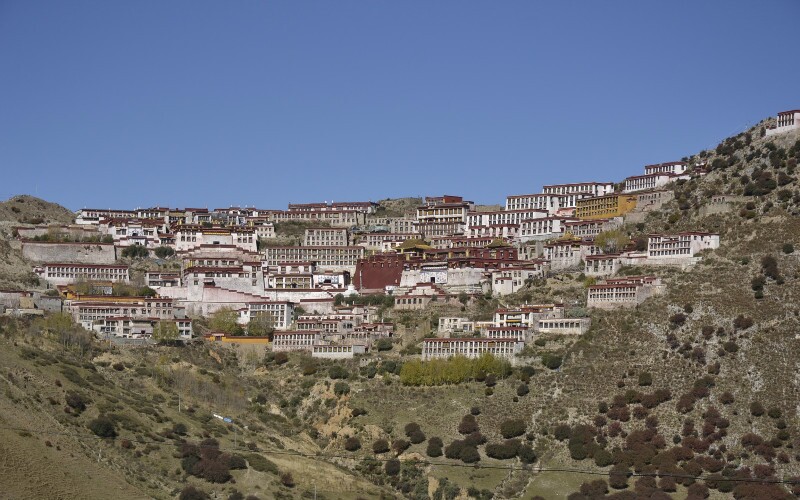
{"type": "Point", "coordinates": [512, 428]}
{"type": "Point", "coordinates": [338, 372]}
{"type": "Point", "coordinates": [788, 248]}
{"type": "Point", "coordinates": [341, 388]}
{"type": "Point", "coordinates": [103, 426]}
{"type": "Point", "coordinates": [434, 447]}
{"type": "Point", "coordinates": [261, 464]}
{"type": "Point", "coordinates": [380, 446]}
{"type": "Point", "coordinates": [352, 444]}
{"type": "Point", "coordinates": [645, 379]}
{"type": "Point", "coordinates": [453, 370]}
{"type": "Point", "coordinates": [551, 360]}
{"type": "Point", "coordinates": [503, 451]}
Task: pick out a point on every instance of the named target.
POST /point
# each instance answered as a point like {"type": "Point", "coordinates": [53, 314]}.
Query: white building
{"type": "Point", "coordinates": [681, 246]}
{"type": "Point", "coordinates": [337, 351]}
{"type": "Point", "coordinates": [543, 229]}
{"type": "Point", "coordinates": [527, 315]}
{"type": "Point", "coordinates": [673, 167]}
{"type": "Point", "coordinates": [786, 121]}
{"type": "Point", "coordinates": [190, 237]}
{"type": "Point", "coordinates": [564, 326]}
{"type": "Point", "coordinates": [455, 324]}
{"type": "Point", "coordinates": [59, 273]}
{"type": "Point", "coordinates": [518, 333]}
{"type": "Point", "coordinates": [325, 236]}
{"type": "Point", "coordinates": [593, 188]}
{"type": "Point", "coordinates": [470, 347]}
{"type": "Point", "coordinates": [509, 280]}
{"type": "Point", "coordinates": [646, 182]}
{"type": "Point", "coordinates": [623, 292]}
{"type": "Point", "coordinates": [295, 341]}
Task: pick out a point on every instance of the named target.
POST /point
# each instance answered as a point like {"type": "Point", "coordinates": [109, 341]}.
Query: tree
{"type": "Point", "coordinates": [224, 320]}
{"type": "Point", "coordinates": [135, 252]}
{"type": "Point", "coordinates": [165, 332]}
{"type": "Point", "coordinates": [468, 425]}
{"type": "Point", "coordinates": [434, 447]}
{"type": "Point", "coordinates": [164, 252]}
{"type": "Point", "coordinates": [612, 241]}
{"type": "Point", "coordinates": [261, 326]}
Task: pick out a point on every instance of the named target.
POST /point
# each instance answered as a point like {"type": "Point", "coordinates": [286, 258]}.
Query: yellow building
{"type": "Point", "coordinates": [604, 207]}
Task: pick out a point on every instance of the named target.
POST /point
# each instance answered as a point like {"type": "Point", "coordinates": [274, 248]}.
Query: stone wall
{"type": "Point", "coordinates": [80, 253]}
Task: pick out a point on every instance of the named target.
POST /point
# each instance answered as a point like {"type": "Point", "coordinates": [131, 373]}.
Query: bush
{"type": "Point", "coordinates": [742, 322]}
{"type": "Point", "coordinates": [192, 493]}
{"type": "Point", "coordinates": [76, 401]}
{"type": "Point", "coordinates": [788, 248]}
{"type": "Point", "coordinates": [469, 455]}
{"type": "Point", "coordinates": [416, 437]}
{"type": "Point", "coordinates": [281, 358]}
{"type": "Point", "coordinates": [164, 252]}
{"type": "Point", "coordinates": [453, 450]}
{"type": "Point", "coordinates": [551, 360]}
{"type": "Point", "coordinates": [677, 319]}
{"type": "Point", "coordinates": [287, 479]}
{"type": "Point", "coordinates": [645, 379]}
{"type": "Point", "coordinates": [135, 252]}
{"type": "Point", "coordinates": [475, 411]}
{"type": "Point", "coordinates": [522, 390]}
{"type": "Point", "coordinates": [400, 445]}
{"type": "Point", "coordinates": [384, 345]}
{"type": "Point", "coordinates": [774, 412]}
{"type": "Point", "coordinates": [512, 428]}
{"type": "Point", "coordinates": [392, 467]}
{"type": "Point", "coordinates": [468, 425]}
{"type": "Point", "coordinates": [103, 426]}
{"type": "Point", "coordinates": [474, 439]}
{"type": "Point", "coordinates": [352, 444]}
{"type": "Point", "coordinates": [454, 370]}
{"type": "Point", "coordinates": [562, 432]}
{"type": "Point", "coordinates": [380, 446]}
{"type": "Point", "coordinates": [618, 477]}
{"type": "Point", "coordinates": [341, 388]}
{"type": "Point", "coordinates": [338, 372]}
{"type": "Point", "coordinates": [261, 463]}
{"type": "Point", "coordinates": [503, 451]}
{"type": "Point", "coordinates": [434, 447]}
{"type": "Point", "coordinates": [756, 409]}
{"type": "Point", "coordinates": [410, 428]}
{"type": "Point", "coordinates": [526, 454]}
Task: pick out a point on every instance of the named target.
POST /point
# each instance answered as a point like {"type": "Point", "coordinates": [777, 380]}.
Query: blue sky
{"type": "Point", "coordinates": [208, 103]}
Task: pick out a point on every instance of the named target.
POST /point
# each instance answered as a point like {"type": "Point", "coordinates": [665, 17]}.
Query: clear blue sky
{"type": "Point", "coordinates": [210, 103]}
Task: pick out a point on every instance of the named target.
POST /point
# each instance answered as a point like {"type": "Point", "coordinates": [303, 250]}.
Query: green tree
{"type": "Point", "coordinates": [164, 252]}
{"type": "Point", "coordinates": [165, 332]}
{"type": "Point", "coordinates": [261, 326]}
{"type": "Point", "coordinates": [612, 241]}
{"type": "Point", "coordinates": [135, 252]}
{"type": "Point", "coordinates": [224, 320]}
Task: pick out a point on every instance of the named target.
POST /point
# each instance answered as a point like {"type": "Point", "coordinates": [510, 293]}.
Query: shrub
{"type": "Point", "coordinates": [526, 454]}
{"type": "Point", "coordinates": [774, 412]}
{"type": "Point", "coordinates": [410, 428]}
{"type": "Point", "coordinates": [287, 479]}
{"type": "Point", "coordinates": [756, 409]}
{"type": "Point", "coordinates": [453, 450]}
{"type": "Point", "coordinates": [469, 455]}
{"type": "Point", "coordinates": [281, 358]}
{"type": "Point", "coordinates": [164, 252]}
{"type": "Point", "coordinates": [512, 428]}
{"type": "Point", "coordinates": [434, 447]}
{"type": "Point", "coordinates": [788, 248]}
{"type": "Point", "coordinates": [384, 345]}
{"type": "Point", "coordinates": [380, 446]}
{"type": "Point", "coordinates": [392, 467]}
{"type": "Point", "coordinates": [76, 400]}
{"type": "Point", "coordinates": [618, 477]}
{"type": "Point", "coordinates": [400, 445]}
{"type": "Point", "coordinates": [352, 444]}
{"type": "Point", "coordinates": [338, 372]}
{"type": "Point", "coordinates": [341, 388]}
{"type": "Point", "coordinates": [416, 437]}
{"type": "Point", "coordinates": [503, 451]}
{"type": "Point", "coordinates": [645, 379]}
{"type": "Point", "coordinates": [261, 463]}
{"type": "Point", "coordinates": [475, 410]}
{"type": "Point", "coordinates": [742, 322]}
{"type": "Point", "coordinates": [551, 360]}
{"type": "Point", "coordinates": [468, 425]}
{"type": "Point", "coordinates": [103, 426]}
{"type": "Point", "coordinates": [192, 493]}
{"type": "Point", "coordinates": [522, 390]}
{"type": "Point", "coordinates": [677, 319]}
{"type": "Point", "coordinates": [474, 439]}
{"type": "Point", "coordinates": [562, 432]}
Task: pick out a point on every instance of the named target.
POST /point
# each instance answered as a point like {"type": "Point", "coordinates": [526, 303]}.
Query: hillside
{"type": "Point", "coordinates": [28, 209]}
{"type": "Point", "coordinates": [692, 394]}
